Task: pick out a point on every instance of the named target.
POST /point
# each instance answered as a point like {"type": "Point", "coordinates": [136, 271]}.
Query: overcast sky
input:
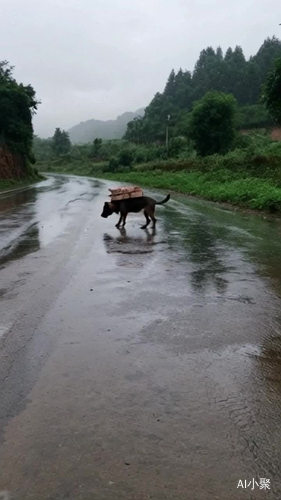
{"type": "Point", "coordinates": [99, 58]}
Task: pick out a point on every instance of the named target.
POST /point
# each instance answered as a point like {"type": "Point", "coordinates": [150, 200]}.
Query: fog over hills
{"type": "Point", "coordinates": [110, 129]}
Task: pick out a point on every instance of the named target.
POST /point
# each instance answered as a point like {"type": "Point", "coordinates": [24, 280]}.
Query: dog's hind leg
{"type": "Point", "coordinates": [147, 220]}
{"type": "Point", "coordinates": [124, 219]}
{"type": "Point", "coordinates": [150, 213]}
{"type": "Point", "coordinates": [153, 218]}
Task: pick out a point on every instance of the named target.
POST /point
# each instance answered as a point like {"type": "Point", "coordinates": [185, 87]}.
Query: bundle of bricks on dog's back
{"type": "Point", "coordinates": [123, 193]}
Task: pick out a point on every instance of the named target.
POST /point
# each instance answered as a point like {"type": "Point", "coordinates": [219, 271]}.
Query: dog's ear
{"type": "Point", "coordinates": [111, 206]}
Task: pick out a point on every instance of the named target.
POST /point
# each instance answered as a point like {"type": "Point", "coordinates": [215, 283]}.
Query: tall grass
{"type": "Point", "coordinates": [248, 192]}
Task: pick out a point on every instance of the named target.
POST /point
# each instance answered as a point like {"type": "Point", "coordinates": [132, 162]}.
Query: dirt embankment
{"type": "Point", "coordinates": [12, 165]}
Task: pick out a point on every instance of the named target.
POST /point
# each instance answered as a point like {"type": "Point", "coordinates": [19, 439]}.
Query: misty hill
{"type": "Point", "coordinates": [110, 129]}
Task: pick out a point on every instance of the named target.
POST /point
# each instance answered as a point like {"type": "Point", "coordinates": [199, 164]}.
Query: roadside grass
{"type": "Point", "coordinates": [85, 167]}
{"type": "Point", "coordinates": [7, 184]}
{"type": "Point", "coordinates": [247, 192]}
{"type": "Point", "coordinates": [248, 177]}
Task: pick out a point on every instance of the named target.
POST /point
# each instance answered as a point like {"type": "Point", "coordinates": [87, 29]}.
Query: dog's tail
{"type": "Point", "coordinates": [163, 201]}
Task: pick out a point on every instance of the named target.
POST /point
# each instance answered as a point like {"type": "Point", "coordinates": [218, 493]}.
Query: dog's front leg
{"type": "Point", "coordinates": [119, 222]}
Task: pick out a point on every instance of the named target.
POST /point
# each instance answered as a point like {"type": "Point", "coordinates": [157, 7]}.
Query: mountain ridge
{"type": "Point", "coordinates": [89, 130]}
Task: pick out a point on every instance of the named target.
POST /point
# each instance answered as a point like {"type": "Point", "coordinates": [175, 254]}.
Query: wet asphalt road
{"type": "Point", "coordinates": [137, 365]}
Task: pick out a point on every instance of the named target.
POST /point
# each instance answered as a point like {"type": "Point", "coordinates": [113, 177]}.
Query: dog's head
{"type": "Point", "coordinates": [108, 209]}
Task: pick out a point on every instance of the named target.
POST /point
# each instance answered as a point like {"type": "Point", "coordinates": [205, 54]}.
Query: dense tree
{"type": "Point", "coordinates": [17, 104]}
{"type": "Point", "coordinates": [254, 116]}
{"type": "Point", "coordinates": [152, 127]}
{"type": "Point", "coordinates": [60, 142]}
{"type": "Point", "coordinates": [212, 123]}
{"type": "Point", "coordinates": [6, 73]}
{"type": "Point", "coordinates": [184, 94]}
{"type": "Point", "coordinates": [42, 148]}
{"type": "Point", "coordinates": [229, 73]}
{"type": "Point", "coordinates": [170, 85]}
{"type": "Point", "coordinates": [266, 55]}
{"type": "Point", "coordinates": [272, 92]}
{"type": "Point", "coordinates": [207, 72]}
{"type": "Point", "coordinates": [135, 130]}
{"type": "Point", "coordinates": [96, 148]}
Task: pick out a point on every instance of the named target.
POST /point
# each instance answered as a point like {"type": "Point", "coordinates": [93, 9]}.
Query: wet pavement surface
{"type": "Point", "coordinates": [137, 364]}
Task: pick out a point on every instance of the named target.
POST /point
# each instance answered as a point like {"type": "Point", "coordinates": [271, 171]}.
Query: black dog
{"type": "Point", "coordinates": [133, 205]}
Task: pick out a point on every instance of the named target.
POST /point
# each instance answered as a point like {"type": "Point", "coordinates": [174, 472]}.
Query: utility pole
{"type": "Point", "coordinates": [167, 133]}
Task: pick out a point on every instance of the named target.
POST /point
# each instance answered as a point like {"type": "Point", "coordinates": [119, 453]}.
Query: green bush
{"type": "Point", "coordinates": [212, 123]}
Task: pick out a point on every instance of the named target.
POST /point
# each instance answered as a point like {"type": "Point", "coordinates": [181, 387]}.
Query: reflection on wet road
{"type": "Point", "coordinates": [137, 364]}
{"type": "Point", "coordinates": [34, 216]}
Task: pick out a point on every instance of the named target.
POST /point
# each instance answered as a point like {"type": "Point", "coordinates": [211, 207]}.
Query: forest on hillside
{"type": "Point", "coordinates": [17, 105]}
{"type": "Point", "coordinates": [214, 71]}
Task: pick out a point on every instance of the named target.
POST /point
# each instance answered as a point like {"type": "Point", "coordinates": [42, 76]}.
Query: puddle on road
{"type": "Point", "coordinates": [33, 218]}
{"type": "Point", "coordinates": [269, 360]}
{"type": "Point", "coordinates": [26, 243]}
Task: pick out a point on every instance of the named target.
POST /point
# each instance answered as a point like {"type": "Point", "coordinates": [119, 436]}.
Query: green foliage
{"type": "Point", "coordinates": [126, 157]}
{"type": "Point", "coordinates": [60, 143]}
{"type": "Point", "coordinates": [96, 148]}
{"type": "Point", "coordinates": [229, 73]}
{"type": "Point", "coordinates": [272, 92]}
{"type": "Point", "coordinates": [212, 123]}
{"type": "Point", "coordinates": [249, 175]}
{"type": "Point", "coordinates": [123, 159]}
{"type": "Point", "coordinates": [42, 148]}
{"type": "Point", "coordinates": [17, 104]}
{"type": "Point", "coordinates": [177, 146]}
{"type": "Point", "coordinates": [253, 116]}
{"type": "Point", "coordinates": [269, 51]}
{"type": "Point", "coordinates": [136, 131]}
{"type": "Point", "coordinates": [113, 164]}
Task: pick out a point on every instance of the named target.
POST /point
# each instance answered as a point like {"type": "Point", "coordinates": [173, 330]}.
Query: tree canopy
{"type": "Point", "coordinates": [17, 104]}
{"type": "Point", "coordinates": [60, 142]}
{"type": "Point", "coordinates": [272, 92]}
{"type": "Point", "coordinates": [229, 73]}
{"type": "Point", "coordinates": [212, 123]}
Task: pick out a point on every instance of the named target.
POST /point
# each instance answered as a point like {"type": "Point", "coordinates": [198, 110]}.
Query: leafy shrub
{"type": "Point", "coordinates": [212, 123]}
